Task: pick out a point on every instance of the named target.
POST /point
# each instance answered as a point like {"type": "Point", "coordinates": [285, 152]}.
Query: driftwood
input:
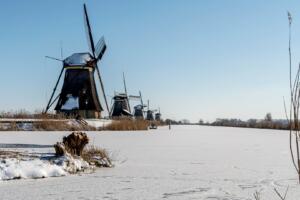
{"type": "Point", "coordinates": [73, 144]}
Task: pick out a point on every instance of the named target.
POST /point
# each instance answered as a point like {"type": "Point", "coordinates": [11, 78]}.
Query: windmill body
{"type": "Point", "coordinates": [139, 109]}
{"type": "Point", "coordinates": [78, 95]}
{"type": "Point", "coordinates": [157, 116]}
{"type": "Point", "coordinates": [139, 112]}
{"type": "Point", "coordinates": [149, 115]}
{"type": "Point", "coordinates": [120, 106]}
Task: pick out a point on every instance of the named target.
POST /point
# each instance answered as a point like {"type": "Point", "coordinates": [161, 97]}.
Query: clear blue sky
{"type": "Point", "coordinates": [194, 59]}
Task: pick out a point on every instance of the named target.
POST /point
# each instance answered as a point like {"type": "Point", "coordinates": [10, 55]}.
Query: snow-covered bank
{"type": "Point", "coordinates": [98, 123]}
{"type": "Point", "coordinates": [33, 168]}
{"type": "Point", "coordinates": [16, 169]}
{"type": "Point", "coordinates": [187, 162]}
{"type": "Point", "coordinates": [51, 124]}
{"type": "Point", "coordinates": [72, 155]}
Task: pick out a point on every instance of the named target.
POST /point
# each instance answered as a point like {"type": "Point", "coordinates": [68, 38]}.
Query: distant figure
{"type": "Point", "coordinates": [169, 125]}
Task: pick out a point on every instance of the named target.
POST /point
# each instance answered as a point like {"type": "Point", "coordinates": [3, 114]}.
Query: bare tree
{"type": "Point", "coordinates": [293, 117]}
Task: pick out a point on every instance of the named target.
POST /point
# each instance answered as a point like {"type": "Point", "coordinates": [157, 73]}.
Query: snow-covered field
{"type": "Point", "coordinates": [188, 162]}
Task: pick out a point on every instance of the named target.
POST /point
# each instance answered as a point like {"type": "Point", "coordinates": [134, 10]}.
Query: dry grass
{"type": "Point", "coordinates": [97, 156]}
{"type": "Point", "coordinates": [9, 154]}
{"type": "Point", "coordinates": [280, 196]}
{"type": "Point", "coordinates": [8, 126]}
{"type": "Point", "coordinates": [59, 125]}
{"type": "Point", "coordinates": [4, 154]}
{"type": "Point", "coordinates": [47, 125]}
{"type": "Point", "coordinates": [44, 122]}
{"type": "Point", "coordinates": [23, 114]}
{"type": "Point", "coordinates": [127, 125]}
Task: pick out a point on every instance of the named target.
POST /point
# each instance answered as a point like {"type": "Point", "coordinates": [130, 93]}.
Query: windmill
{"type": "Point", "coordinates": [139, 109]}
{"type": "Point", "coordinates": [121, 106]}
{"type": "Point", "coordinates": [158, 115]}
{"type": "Point", "coordinates": [149, 113]}
{"type": "Point", "coordinates": [79, 95]}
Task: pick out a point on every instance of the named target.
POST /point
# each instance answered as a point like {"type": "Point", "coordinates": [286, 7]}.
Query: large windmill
{"type": "Point", "coordinates": [79, 95]}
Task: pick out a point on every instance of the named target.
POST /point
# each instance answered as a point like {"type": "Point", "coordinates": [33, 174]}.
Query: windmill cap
{"type": "Point", "coordinates": [78, 59]}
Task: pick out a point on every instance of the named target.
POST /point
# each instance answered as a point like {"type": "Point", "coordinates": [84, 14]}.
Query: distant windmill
{"type": "Point", "coordinates": [139, 109]}
{"type": "Point", "coordinates": [121, 106]}
{"type": "Point", "coordinates": [158, 115]}
{"type": "Point", "coordinates": [79, 95]}
{"type": "Point", "coordinates": [149, 113]}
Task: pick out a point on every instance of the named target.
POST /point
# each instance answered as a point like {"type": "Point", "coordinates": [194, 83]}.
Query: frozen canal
{"type": "Point", "coordinates": [188, 162]}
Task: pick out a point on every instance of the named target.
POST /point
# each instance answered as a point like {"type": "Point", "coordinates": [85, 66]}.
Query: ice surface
{"type": "Point", "coordinates": [186, 162]}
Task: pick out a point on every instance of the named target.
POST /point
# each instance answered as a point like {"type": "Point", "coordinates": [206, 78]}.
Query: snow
{"type": "Point", "coordinates": [186, 162]}
{"type": "Point", "coordinates": [15, 169]}
{"type": "Point", "coordinates": [98, 123]}
{"type": "Point", "coordinates": [28, 168]}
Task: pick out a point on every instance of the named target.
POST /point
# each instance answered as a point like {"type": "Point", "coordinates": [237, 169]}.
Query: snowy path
{"type": "Point", "coordinates": [191, 162]}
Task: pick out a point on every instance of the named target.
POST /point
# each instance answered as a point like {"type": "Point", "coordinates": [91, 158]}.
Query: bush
{"type": "Point", "coordinates": [97, 156]}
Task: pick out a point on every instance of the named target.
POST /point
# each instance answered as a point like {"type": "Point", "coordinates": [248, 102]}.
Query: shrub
{"type": "Point", "coordinates": [97, 156]}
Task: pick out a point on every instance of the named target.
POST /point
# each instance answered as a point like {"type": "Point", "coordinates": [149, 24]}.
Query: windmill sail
{"type": "Point", "coordinates": [90, 41]}
{"type": "Point", "coordinates": [88, 31]}
{"type": "Point", "coordinates": [100, 48]}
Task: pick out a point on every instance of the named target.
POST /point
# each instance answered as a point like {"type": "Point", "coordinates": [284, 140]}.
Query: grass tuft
{"type": "Point", "coordinates": [97, 156]}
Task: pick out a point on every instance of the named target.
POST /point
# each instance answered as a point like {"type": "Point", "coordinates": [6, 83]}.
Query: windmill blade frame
{"type": "Point", "coordinates": [134, 97]}
{"type": "Point", "coordinates": [91, 44]}
{"type": "Point", "coordinates": [52, 58]}
{"type": "Point", "coordinates": [88, 31]}
{"type": "Point", "coordinates": [124, 82]}
{"type": "Point", "coordinates": [50, 103]}
{"type": "Point", "coordinates": [100, 48]}
{"type": "Point", "coordinates": [142, 103]}
{"type": "Point", "coordinates": [102, 88]}
{"type": "Point", "coordinates": [125, 88]}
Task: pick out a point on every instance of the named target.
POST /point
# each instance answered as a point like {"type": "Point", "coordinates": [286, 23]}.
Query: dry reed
{"type": "Point", "coordinates": [98, 156]}
{"type": "Point", "coordinates": [127, 125]}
